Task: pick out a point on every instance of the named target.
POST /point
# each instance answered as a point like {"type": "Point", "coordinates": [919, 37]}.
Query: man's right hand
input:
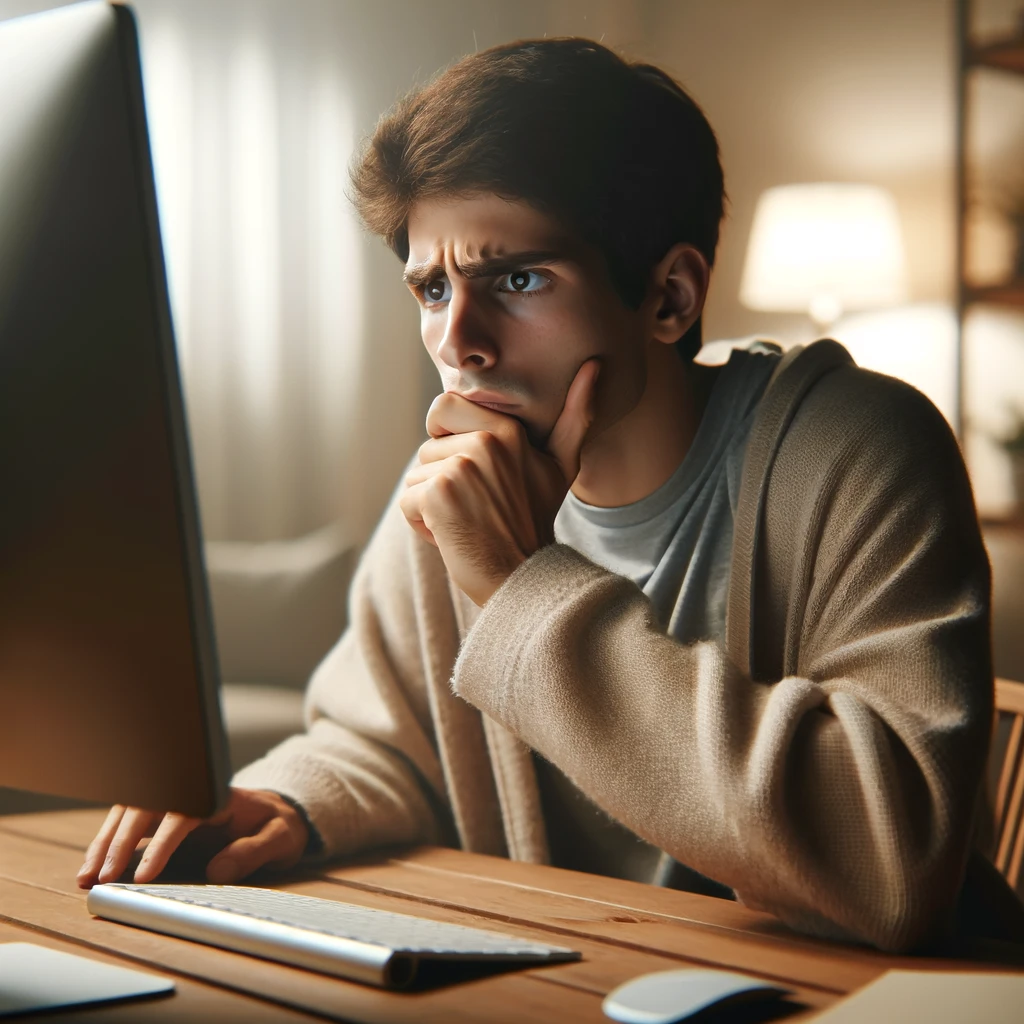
{"type": "Point", "coordinates": [260, 827]}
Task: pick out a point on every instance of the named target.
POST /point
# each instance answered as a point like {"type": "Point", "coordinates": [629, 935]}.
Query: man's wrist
{"type": "Point", "coordinates": [314, 842]}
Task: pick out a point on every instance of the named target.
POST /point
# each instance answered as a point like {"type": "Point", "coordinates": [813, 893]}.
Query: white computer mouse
{"type": "Point", "coordinates": [667, 996]}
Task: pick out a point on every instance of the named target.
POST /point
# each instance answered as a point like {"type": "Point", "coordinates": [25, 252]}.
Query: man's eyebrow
{"type": "Point", "coordinates": [423, 273]}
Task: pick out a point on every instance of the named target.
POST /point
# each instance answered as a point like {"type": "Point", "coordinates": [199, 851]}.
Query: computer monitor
{"type": "Point", "coordinates": [108, 675]}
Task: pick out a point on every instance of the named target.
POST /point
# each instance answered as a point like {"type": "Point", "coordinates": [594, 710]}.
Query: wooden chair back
{"type": "Point", "coordinates": [1009, 805]}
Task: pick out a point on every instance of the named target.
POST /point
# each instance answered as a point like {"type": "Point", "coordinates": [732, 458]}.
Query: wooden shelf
{"type": "Point", "coordinates": [1010, 294]}
{"type": "Point", "coordinates": [1003, 54]}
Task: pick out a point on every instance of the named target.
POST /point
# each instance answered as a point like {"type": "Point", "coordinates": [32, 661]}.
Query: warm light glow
{"type": "Point", "coordinates": [916, 344]}
{"type": "Point", "coordinates": [824, 249]}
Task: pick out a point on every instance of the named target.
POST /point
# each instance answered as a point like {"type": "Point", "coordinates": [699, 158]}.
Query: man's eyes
{"type": "Point", "coordinates": [522, 282]}
{"type": "Point", "coordinates": [439, 290]}
{"type": "Point", "coordinates": [518, 282]}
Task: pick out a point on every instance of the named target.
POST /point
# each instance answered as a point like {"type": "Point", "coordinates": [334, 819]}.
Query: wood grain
{"type": "Point", "coordinates": [623, 929]}
{"type": "Point", "coordinates": [605, 964]}
{"type": "Point", "coordinates": [45, 898]}
{"type": "Point", "coordinates": [697, 928]}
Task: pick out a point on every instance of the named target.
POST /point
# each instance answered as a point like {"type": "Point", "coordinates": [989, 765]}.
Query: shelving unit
{"type": "Point", "coordinates": [1003, 55]}
{"type": "Point", "coordinates": [1011, 295]}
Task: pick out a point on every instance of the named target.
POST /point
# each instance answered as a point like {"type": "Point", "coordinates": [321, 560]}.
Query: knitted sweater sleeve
{"type": "Point", "coordinates": [834, 784]}
{"type": "Point", "coordinates": [366, 771]}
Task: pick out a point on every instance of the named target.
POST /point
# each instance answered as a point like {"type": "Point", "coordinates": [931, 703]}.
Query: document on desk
{"type": "Point", "coordinates": [933, 997]}
{"type": "Point", "coordinates": [35, 978]}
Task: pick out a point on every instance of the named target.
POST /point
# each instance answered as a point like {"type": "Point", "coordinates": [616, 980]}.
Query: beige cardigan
{"type": "Point", "coordinates": [825, 764]}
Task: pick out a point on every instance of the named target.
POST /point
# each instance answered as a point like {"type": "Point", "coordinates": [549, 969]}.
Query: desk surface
{"type": "Point", "coordinates": [622, 928]}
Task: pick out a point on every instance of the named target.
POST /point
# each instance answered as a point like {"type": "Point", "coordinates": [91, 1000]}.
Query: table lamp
{"type": "Point", "coordinates": [824, 249]}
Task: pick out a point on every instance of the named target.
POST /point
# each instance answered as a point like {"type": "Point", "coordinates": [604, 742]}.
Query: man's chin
{"type": "Point", "coordinates": [536, 433]}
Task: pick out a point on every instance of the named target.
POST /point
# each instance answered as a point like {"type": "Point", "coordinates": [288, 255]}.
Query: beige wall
{"type": "Point", "coordinates": [800, 90]}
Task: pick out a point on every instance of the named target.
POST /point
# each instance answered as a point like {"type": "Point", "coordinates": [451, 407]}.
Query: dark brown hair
{"type": "Point", "coordinates": [617, 152]}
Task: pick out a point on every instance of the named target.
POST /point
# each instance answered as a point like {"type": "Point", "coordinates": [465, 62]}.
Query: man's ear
{"type": "Point", "coordinates": [679, 285]}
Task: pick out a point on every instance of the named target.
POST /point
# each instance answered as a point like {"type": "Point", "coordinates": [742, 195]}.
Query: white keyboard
{"type": "Point", "coordinates": [360, 943]}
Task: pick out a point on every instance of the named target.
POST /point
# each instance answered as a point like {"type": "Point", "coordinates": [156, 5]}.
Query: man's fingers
{"type": "Point", "coordinates": [452, 490]}
{"type": "Point", "coordinates": [426, 505]}
{"type": "Point", "coordinates": [275, 845]}
{"type": "Point", "coordinates": [507, 435]}
{"type": "Point", "coordinates": [450, 413]}
{"type": "Point", "coordinates": [98, 847]}
{"type": "Point", "coordinates": [573, 424]}
{"type": "Point", "coordinates": [135, 825]}
{"type": "Point", "coordinates": [411, 504]}
{"type": "Point", "coordinates": [167, 838]}
{"type": "Point", "coordinates": [97, 850]}
{"type": "Point", "coordinates": [494, 461]}
{"type": "Point", "coordinates": [421, 528]}
{"type": "Point", "coordinates": [419, 474]}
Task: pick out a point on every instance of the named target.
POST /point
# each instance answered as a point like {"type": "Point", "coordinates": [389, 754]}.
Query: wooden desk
{"type": "Point", "coordinates": [622, 928]}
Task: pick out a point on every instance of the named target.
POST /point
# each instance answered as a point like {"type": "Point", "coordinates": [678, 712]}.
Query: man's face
{"type": "Point", "coordinates": [511, 308]}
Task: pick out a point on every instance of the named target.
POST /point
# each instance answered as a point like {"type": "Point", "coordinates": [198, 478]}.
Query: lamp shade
{"type": "Point", "coordinates": [823, 249]}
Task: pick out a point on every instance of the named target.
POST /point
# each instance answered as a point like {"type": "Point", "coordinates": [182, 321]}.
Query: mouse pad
{"type": "Point", "coordinates": [34, 978]}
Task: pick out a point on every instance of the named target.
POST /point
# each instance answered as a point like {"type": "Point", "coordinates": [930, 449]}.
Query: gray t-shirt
{"type": "Point", "coordinates": [676, 545]}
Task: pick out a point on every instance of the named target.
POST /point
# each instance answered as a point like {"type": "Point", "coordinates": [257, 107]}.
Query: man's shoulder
{"type": "Point", "coordinates": [866, 454]}
{"type": "Point", "coordinates": [859, 441]}
{"type": "Point", "coordinates": [852, 406]}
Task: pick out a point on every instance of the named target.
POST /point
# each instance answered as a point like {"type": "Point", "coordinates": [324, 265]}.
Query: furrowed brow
{"type": "Point", "coordinates": [493, 266]}
{"type": "Point", "coordinates": [420, 274]}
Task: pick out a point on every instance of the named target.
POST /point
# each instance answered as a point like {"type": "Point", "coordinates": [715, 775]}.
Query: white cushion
{"type": "Point", "coordinates": [257, 718]}
{"type": "Point", "coordinates": [279, 606]}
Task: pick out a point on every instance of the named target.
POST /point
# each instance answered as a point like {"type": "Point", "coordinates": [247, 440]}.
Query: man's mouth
{"type": "Point", "coordinates": [488, 399]}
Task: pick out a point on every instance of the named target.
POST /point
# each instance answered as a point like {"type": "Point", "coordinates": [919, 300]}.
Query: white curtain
{"type": "Point", "coordinates": [252, 131]}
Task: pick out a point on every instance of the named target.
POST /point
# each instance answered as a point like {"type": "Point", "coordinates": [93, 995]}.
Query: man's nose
{"type": "Point", "coordinates": [467, 342]}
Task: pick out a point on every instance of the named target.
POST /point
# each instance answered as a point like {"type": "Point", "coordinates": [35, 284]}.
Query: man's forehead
{"type": "Point", "coordinates": [481, 227]}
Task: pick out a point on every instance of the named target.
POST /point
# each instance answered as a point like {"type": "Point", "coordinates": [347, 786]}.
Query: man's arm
{"type": "Point", "coordinates": [366, 771]}
{"type": "Point", "coordinates": [837, 790]}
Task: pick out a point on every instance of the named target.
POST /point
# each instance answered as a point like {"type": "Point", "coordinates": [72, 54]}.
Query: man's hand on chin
{"type": "Point", "coordinates": [483, 495]}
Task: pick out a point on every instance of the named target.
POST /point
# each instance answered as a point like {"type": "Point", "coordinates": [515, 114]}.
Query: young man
{"type": "Point", "coordinates": [723, 629]}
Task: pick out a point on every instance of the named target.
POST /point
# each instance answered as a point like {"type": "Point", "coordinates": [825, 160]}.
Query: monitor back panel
{"type": "Point", "coordinates": [107, 667]}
